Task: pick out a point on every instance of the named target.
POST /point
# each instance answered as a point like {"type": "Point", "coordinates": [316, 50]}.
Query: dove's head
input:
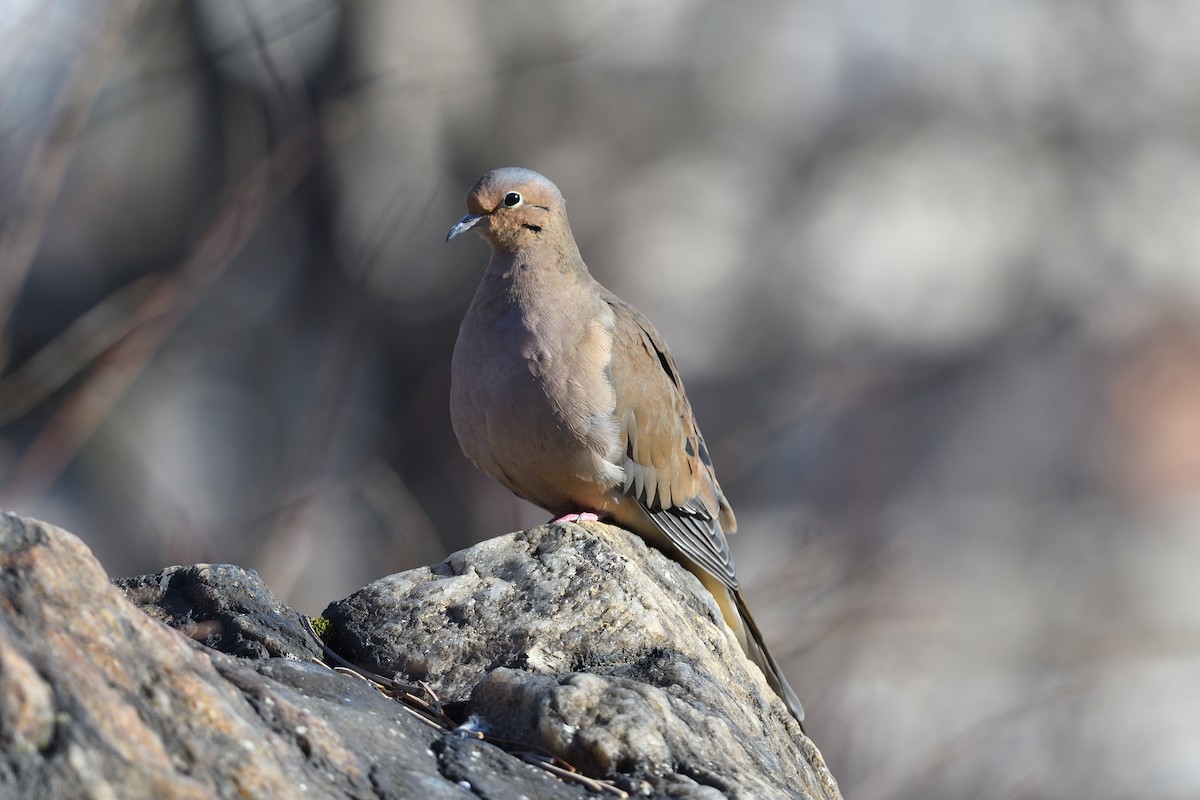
{"type": "Point", "coordinates": [513, 208]}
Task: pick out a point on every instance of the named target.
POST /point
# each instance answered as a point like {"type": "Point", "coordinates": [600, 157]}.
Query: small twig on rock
{"type": "Point", "coordinates": [409, 695]}
{"type": "Point", "coordinates": [568, 773]}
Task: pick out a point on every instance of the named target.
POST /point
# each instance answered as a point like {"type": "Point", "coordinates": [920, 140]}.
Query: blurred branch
{"type": "Point", "coordinates": [282, 556]}
{"type": "Point", "coordinates": [21, 230]}
{"type": "Point", "coordinates": [125, 95]}
{"type": "Point", "coordinates": [132, 94]}
{"type": "Point", "coordinates": [411, 533]}
{"type": "Point", "coordinates": [157, 313]}
{"type": "Point", "coordinates": [287, 21]}
{"type": "Point", "coordinates": [73, 350]}
{"type": "Point", "coordinates": [453, 77]}
{"type": "Point", "coordinates": [288, 103]}
{"type": "Point", "coordinates": [982, 734]}
{"type": "Point", "coordinates": [10, 56]}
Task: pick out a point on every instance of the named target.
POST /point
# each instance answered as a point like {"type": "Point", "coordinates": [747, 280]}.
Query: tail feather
{"type": "Point", "coordinates": [757, 652]}
{"type": "Point", "coordinates": [699, 544]}
{"type": "Point", "coordinates": [737, 615]}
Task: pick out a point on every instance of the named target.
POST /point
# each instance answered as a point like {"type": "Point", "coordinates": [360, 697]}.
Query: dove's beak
{"type": "Point", "coordinates": [463, 225]}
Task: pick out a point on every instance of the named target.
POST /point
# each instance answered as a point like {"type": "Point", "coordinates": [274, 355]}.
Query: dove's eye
{"type": "Point", "coordinates": [513, 199]}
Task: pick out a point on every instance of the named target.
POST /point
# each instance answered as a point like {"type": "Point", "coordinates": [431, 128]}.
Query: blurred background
{"type": "Point", "coordinates": [929, 268]}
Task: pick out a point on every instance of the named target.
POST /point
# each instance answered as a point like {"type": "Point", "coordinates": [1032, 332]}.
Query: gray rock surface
{"type": "Point", "coordinates": [98, 700]}
{"type": "Point", "coordinates": [581, 640]}
{"type": "Point", "coordinates": [578, 641]}
{"type": "Point", "coordinates": [224, 607]}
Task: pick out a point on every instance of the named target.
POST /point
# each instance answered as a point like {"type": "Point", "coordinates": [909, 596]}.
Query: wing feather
{"type": "Point", "coordinates": [666, 464]}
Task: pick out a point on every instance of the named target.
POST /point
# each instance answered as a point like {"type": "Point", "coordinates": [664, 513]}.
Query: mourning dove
{"type": "Point", "coordinates": [569, 397]}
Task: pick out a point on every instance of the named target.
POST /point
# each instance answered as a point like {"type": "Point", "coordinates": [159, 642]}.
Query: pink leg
{"type": "Point", "coordinates": [586, 516]}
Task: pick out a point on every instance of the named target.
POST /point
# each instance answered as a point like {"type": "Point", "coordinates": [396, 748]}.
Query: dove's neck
{"type": "Point", "coordinates": [534, 305]}
{"type": "Point", "coordinates": [537, 268]}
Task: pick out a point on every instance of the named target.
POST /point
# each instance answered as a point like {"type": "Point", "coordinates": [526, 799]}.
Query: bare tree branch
{"type": "Point", "coordinates": [21, 230]}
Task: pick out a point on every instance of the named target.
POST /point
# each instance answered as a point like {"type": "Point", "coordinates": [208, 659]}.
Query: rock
{"type": "Point", "coordinates": [99, 700]}
{"type": "Point", "coordinates": [583, 641]}
{"type": "Point", "coordinates": [223, 607]}
{"type": "Point", "coordinates": [493, 773]}
{"type": "Point", "coordinates": [579, 641]}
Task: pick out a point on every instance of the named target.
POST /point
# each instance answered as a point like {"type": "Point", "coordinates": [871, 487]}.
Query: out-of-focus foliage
{"type": "Point", "coordinates": [929, 268]}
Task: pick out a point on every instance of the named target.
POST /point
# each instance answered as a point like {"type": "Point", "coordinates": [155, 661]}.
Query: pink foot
{"type": "Point", "coordinates": [586, 516]}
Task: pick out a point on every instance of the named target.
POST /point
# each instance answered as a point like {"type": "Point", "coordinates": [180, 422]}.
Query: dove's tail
{"type": "Point", "coordinates": [737, 615]}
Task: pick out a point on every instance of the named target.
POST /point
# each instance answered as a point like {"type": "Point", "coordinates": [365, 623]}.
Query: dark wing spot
{"type": "Point", "coordinates": [666, 365]}
{"type": "Point", "coordinates": [687, 448]}
{"type": "Point", "coordinates": [704, 456]}
{"type": "Point", "coordinates": [664, 359]}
